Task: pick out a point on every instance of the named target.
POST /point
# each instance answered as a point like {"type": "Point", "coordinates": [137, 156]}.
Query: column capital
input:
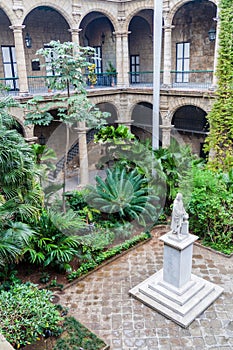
{"type": "Point", "coordinates": [17, 27]}
{"type": "Point", "coordinates": [168, 27]}
{"type": "Point", "coordinates": [74, 30]}
{"type": "Point", "coordinates": [121, 34]}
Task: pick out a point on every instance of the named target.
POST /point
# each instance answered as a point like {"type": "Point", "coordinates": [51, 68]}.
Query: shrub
{"type": "Point", "coordinates": [211, 207]}
{"type": "Point", "coordinates": [26, 313]}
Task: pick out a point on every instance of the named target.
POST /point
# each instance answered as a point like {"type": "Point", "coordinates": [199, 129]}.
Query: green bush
{"type": "Point", "coordinates": [211, 207]}
{"type": "Point", "coordinates": [26, 313]}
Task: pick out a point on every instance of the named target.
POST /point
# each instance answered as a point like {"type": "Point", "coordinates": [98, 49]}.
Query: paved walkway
{"type": "Point", "coordinates": [102, 303]}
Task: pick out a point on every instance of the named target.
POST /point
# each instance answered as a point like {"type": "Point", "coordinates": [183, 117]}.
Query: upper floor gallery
{"type": "Point", "coordinates": [121, 33]}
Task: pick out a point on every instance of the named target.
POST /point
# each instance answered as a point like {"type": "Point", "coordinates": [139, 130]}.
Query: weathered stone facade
{"type": "Point", "coordinates": [123, 32]}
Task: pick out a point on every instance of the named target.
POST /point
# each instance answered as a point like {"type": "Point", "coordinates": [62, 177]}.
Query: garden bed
{"type": "Point", "coordinates": [74, 336]}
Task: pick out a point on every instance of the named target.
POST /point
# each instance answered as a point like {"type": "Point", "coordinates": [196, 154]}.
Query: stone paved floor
{"type": "Point", "coordinates": [102, 303]}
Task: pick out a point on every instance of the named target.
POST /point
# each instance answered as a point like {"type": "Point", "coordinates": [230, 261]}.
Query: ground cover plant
{"type": "Point", "coordinates": [75, 337]}
{"type": "Point", "coordinates": [26, 314]}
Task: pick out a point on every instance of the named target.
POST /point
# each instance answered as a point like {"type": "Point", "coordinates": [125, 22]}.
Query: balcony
{"type": "Point", "coordinates": [192, 80]}
{"type": "Point", "coordinates": [184, 80]}
{"type": "Point", "coordinates": [40, 84]}
{"type": "Point", "coordinates": [180, 80]}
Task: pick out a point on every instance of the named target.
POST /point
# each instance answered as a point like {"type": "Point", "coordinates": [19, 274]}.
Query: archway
{"type": "Point", "coordinates": [141, 48]}
{"type": "Point", "coordinates": [191, 124]}
{"type": "Point", "coordinates": [193, 52]}
{"type": "Point", "coordinates": [8, 68]}
{"type": "Point", "coordinates": [98, 32]}
{"type": "Point", "coordinates": [142, 121]}
{"type": "Point", "coordinates": [42, 25]}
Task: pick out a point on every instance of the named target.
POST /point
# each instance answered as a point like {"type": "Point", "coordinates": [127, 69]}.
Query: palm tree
{"type": "Point", "coordinates": [14, 239]}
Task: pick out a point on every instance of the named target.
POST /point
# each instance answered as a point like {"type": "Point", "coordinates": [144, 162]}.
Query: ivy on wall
{"type": "Point", "coordinates": [220, 139]}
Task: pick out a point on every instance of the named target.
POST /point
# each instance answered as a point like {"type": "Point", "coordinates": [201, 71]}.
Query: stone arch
{"type": "Point", "coordinates": [176, 104]}
{"type": "Point", "coordinates": [137, 10]}
{"type": "Point", "coordinates": [183, 119]}
{"type": "Point", "coordinates": [110, 16]}
{"type": "Point", "coordinates": [191, 127]}
{"type": "Point", "coordinates": [8, 12]}
{"type": "Point", "coordinates": [137, 100]}
{"type": "Point", "coordinates": [110, 108]}
{"type": "Point", "coordinates": [178, 4]}
{"type": "Point", "coordinates": [52, 5]}
{"type": "Point", "coordinates": [105, 99]}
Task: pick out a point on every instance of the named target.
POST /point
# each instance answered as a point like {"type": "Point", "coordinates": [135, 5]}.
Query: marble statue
{"type": "Point", "coordinates": [179, 222]}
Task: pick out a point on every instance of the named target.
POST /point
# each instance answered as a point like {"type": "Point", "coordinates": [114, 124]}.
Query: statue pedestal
{"type": "Point", "coordinates": [174, 291]}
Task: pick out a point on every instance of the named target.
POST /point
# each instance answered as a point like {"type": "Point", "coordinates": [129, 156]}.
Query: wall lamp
{"type": "Point", "coordinates": [212, 34]}
{"type": "Point", "coordinates": [28, 41]}
{"type": "Point", "coordinates": [102, 38]}
{"type": "Point", "coordinates": [42, 140]}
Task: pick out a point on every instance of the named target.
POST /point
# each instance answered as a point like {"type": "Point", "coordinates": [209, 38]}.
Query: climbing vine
{"type": "Point", "coordinates": [220, 139]}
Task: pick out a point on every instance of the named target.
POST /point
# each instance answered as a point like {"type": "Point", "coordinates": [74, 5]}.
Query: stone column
{"type": "Point", "coordinates": [122, 59]}
{"type": "Point", "coordinates": [166, 134]}
{"type": "Point", "coordinates": [167, 59]}
{"type": "Point", "coordinates": [20, 57]}
{"type": "Point", "coordinates": [75, 35]}
{"type": "Point", "coordinates": [83, 156]}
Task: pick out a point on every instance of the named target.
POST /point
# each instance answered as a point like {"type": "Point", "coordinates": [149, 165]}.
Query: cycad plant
{"type": "Point", "coordinates": [127, 195]}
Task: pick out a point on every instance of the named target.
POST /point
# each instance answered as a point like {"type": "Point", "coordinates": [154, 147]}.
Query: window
{"type": "Point", "coordinates": [182, 62]}
{"type": "Point", "coordinates": [10, 66]}
{"type": "Point", "coordinates": [98, 60]}
{"type": "Point", "coordinates": [49, 60]}
{"type": "Point", "coordinates": [135, 69]}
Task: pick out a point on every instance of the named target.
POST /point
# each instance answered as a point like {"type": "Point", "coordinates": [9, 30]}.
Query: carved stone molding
{"type": "Point", "coordinates": [18, 8]}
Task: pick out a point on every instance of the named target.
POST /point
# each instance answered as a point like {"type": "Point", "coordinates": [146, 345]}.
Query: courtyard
{"type": "Point", "coordinates": [102, 303]}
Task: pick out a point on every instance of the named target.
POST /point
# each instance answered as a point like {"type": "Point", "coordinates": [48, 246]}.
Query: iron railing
{"type": "Point", "coordinates": [144, 79]}
{"type": "Point", "coordinates": [11, 85]}
{"type": "Point", "coordinates": [192, 79]}
{"type": "Point", "coordinates": [184, 80]}
{"type": "Point", "coordinates": [40, 84]}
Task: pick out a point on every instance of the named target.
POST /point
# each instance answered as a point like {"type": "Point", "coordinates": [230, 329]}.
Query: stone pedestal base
{"type": "Point", "coordinates": [182, 305]}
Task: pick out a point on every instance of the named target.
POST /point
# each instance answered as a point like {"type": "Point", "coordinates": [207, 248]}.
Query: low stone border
{"type": "Point", "coordinates": [213, 250]}
{"type": "Point", "coordinates": [108, 261]}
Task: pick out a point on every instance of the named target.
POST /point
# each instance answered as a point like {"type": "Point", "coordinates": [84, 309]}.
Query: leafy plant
{"type": "Point", "coordinates": [56, 242]}
{"type": "Point", "coordinates": [176, 161]}
{"type": "Point", "coordinates": [127, 195]}
{"type": "Point", "coordinates": [92, 75]}
{"type": "Point", "coordinates": [14, 240]}
{"type": "Point", "coordinates": [211, 208]}
{"type": "Point", "coordinates": [110, 133]}
{"type": "Point", "coordinates": [26, 313]}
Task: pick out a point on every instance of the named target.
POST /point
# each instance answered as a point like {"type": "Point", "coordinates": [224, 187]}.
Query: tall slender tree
{"type": "Point", "coordinates": [68, 65]}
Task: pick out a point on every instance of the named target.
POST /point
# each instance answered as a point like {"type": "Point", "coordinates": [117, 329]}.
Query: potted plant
{"type": "Point", "coordinates": [111, 70]}
{"type": "Point", "coordinates": [92, 75]}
